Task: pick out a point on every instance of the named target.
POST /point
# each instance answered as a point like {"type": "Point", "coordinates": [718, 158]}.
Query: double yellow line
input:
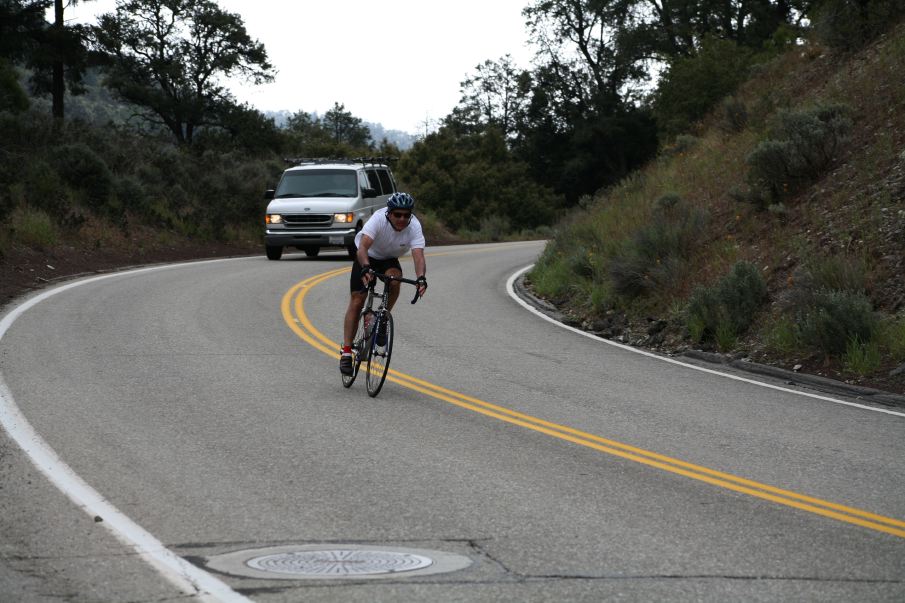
{"type": "Point", "coordinates": [293, 310]}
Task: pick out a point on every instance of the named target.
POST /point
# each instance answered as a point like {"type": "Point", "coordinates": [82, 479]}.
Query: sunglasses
{"type": "Point", "coordinates": [401, 215]}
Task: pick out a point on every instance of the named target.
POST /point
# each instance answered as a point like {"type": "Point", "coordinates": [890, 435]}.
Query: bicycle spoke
{"type": "Point", "coordinates": [379, 356]}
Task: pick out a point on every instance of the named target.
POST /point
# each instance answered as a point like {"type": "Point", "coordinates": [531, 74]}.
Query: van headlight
{"type": "Point", "coordinates": [273, 219]}
{"type": "Point", "coordinates": [343, 218]}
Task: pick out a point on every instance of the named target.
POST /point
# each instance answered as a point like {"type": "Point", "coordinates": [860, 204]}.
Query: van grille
{"type": "Point", "coordinates": [298, 220]}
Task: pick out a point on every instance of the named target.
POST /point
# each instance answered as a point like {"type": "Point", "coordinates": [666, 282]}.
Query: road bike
{"type": "Point", "coordinates": [373, 342]}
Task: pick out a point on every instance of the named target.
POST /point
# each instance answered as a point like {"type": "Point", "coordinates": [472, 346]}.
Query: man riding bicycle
{"type": "Point", "coordinates": [386, 236]}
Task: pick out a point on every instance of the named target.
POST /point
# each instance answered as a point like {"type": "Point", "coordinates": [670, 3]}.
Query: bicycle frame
{"type": "Point", "coordinates": [365, 346]}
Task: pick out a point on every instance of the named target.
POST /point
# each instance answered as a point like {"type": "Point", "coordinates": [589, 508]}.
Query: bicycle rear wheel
{"type": "Point", "coordinates": [359, 345]}
{"type": "Point", "coordinates": [379, 356]}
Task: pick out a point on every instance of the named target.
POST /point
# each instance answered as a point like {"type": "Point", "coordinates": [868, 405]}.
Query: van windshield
{"type": "Point", "coordinates": [318, 183]}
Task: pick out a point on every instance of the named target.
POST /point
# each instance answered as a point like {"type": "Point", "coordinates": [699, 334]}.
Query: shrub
{"type": "Point", "coordinates": [800, 148]}
{"type": "Point", "coordinates": [733, 115]}
{"type": "Point", "coordinates": [833, 318]}
{"type": "Point", "coordinates": [726, 309]}
{"type": "Point", "coordinates": [83, 170]}
{"type": "Point", "coordinates": [42, 188]}
{"type": "Point", "coordinates": [130, 192]}
{"type": "Point", "coordinates": [654, 256]}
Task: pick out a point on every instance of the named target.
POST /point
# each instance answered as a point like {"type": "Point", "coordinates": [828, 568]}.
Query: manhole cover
{"type": "Point", "coordinates": [339, 562]}
{"type": "Point", "coordinates": [305, 562]}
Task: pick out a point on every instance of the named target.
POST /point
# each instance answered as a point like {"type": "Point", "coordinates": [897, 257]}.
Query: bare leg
{"type": "Point", "coordinates": [394, 287]}
{"type": "Point", "coordinates": [350, 324]}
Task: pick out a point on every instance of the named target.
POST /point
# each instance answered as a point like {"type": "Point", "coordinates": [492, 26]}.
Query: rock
{"type": "Point", "coordinates": [656, 326]}
{"type": "Point", "coordinates": [797, 368]}
{"type": "Point", "coordinates": [897, 371]}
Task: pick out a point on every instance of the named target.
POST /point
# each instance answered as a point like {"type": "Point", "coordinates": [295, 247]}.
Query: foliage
{"type": "Point", "coordinates": [84, 171]}
{"type": "Point", "coordinates": [55, 54]}
{"type": "Point", "coordinates": [892, 338]}
{"type": "Point", "coordinates": [802, 145]}
{"type": "Point", "coordinates": [34, 228]}
{"type": "Point", "coordinates": [692, 85]}
{"type": "Point", "coordinates": [12, 96]}
{"type": "Point", "coordinates": [727, 308]}
{"type": "Point", "coordinates": [832, 318]}
{"type": "Point", "coordinates": [464, 178]}
{"type": "Point", "coordinates": [862, 358]}
{"type": "Point", "coordinates": [850, 24]}
{"type": "Point", "coordinates": [655, 256]}
{"type": "Point", "coordinates": [496, 95]}
{"type": "Point", "coordinates": [169, 58]}
{"type": "Point", "coordinates": [76, 171]}
{"type": "Point", "coordinates": [345, 128]}
{"type": "Point", "coordinates": [782, 336]}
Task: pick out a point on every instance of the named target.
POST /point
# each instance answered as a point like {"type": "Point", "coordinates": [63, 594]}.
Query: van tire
{"type": "Point", "coordinates": [274, 252]}
{"type": "Point", "coordinates": [352, 249]}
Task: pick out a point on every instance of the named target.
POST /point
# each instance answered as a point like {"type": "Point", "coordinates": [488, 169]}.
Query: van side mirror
{"type": "Point", "coordinates": [268, 194]}
{"type": "Point", "coordinates": [368, 193]}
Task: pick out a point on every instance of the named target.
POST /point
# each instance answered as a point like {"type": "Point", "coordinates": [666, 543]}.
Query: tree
{"type": "Point", "coordinates": [469, 179]}
{"type": "Point", "coordinates": [66, 55]}
{"type": "Point", "coordinates": [20, 23]}
{"type": "Point", "coordinates": [171, 57]}
{"type": "Point", "coordinates": [496, 94]}
{"type": "Point", "coordinates": [56, 54]}
{"type": "Point", "coordinates": [584, 47]}
{"type": "Point", "coordinates": [345, 128]}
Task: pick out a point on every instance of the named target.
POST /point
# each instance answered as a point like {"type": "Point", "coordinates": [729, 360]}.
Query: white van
{"type": "Point", "coordinates": [324, 203]}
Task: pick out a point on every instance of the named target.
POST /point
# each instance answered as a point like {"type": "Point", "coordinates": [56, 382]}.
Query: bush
{"type": "Point", "coordinates": [43, 188]}
{"type": "Point", "coordinates": [801, 147]}
{"type": "Point", "coordinates": [727, 308]}
{"type": "Point", "coordinates": [654, 256]}
{"type": "Point", "coordinates": [733, 115]}
{"type": "Point", "coordinates": [833, 318]}
{"type": "Point", "coordinates": [84, 170]}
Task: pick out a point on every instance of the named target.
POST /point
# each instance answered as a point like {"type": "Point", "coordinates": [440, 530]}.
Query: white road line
{"type": "Point", "coordinates": [510, 287]}
{"type": "Point", "coordinates": [182, 574]}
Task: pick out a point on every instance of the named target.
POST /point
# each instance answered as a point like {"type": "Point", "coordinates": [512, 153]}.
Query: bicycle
{"type": "Point", "coordinates": [371, 324]}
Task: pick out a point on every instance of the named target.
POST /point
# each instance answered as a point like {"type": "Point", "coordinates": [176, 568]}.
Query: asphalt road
{"type": "Point", "coordinates": [198, 400]}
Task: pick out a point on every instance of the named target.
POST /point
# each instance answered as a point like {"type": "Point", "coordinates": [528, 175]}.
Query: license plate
{"type": "Point", "coordinates": [336, 240]}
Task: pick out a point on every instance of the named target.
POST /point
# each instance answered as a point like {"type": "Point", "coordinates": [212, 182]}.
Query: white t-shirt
{"type": "Point", "coordinates": [389, 243]}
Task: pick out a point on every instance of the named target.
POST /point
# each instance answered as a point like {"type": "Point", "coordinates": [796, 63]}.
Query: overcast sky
{"type": "Point", "coordinates": [394, 62]}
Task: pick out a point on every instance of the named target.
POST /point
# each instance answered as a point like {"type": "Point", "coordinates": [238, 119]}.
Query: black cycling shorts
{"type": "Point", "coordinates": [355, 285]}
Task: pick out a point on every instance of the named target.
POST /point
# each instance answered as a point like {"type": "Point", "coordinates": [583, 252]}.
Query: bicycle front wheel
{"type": "Point", "coordinates": [379, 355]}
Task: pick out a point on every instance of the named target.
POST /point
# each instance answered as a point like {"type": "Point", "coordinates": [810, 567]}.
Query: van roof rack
{"type": "Point", "coordinates": [350, 160]}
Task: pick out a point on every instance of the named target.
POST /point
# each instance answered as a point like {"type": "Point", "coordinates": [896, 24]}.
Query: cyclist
{"type": "Point", "coordinates": [387, 235]}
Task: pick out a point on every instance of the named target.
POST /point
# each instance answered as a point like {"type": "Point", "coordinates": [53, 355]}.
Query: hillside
{"type": "Point", "coordinates": [817, 215]}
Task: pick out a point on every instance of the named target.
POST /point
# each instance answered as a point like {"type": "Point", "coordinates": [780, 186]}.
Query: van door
{"type": "Point", "coordinates": [381, 199]}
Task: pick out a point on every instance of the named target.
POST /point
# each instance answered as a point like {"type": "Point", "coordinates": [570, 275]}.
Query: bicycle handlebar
{"type": "Point", "coordinates": [390, 277]}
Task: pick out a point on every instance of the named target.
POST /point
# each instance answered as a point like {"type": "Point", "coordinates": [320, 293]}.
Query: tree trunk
{"type": "Point", "coordinates": [58, 87]}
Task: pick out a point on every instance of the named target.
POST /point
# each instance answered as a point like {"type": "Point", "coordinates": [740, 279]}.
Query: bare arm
{"type": "Point", "coordinates": [420, 268]}
{"type": "Point", "coordinates": [420, 264]}
{"type": "Point", "coordinates": [362, 256]}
